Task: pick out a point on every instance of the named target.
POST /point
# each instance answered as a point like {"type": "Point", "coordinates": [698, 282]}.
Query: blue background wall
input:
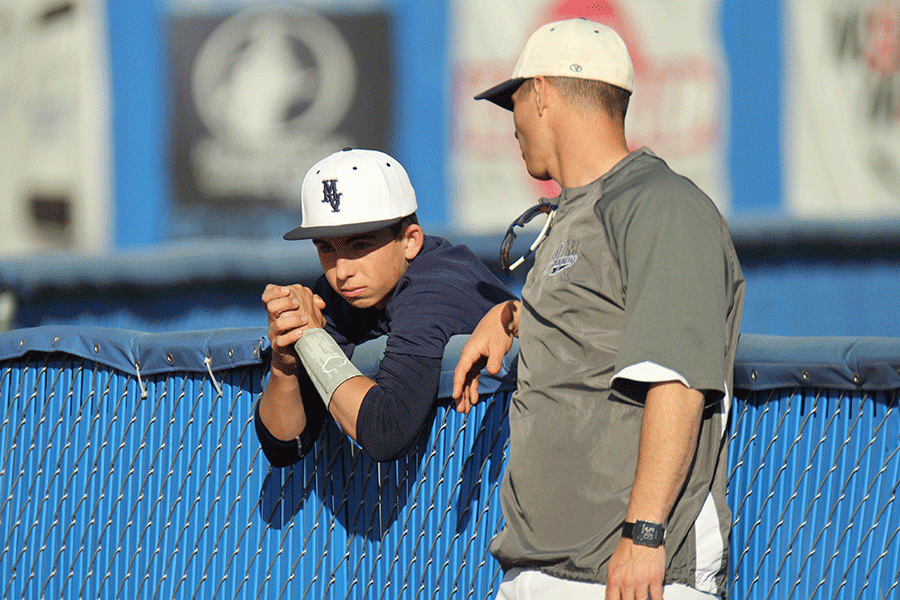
{"type": "Point", "coordinates": [803, 279]}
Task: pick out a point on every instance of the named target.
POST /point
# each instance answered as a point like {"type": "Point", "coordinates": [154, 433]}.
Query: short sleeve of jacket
{"type": "Point", "coordinates": [671, 252]}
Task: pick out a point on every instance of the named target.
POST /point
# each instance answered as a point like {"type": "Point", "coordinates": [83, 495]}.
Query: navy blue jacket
{"type": "Point", "coordinates": [445, 291]}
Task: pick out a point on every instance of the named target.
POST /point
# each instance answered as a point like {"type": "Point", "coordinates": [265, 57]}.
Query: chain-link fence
{"type": "Point", "coordinates": [148, 482]}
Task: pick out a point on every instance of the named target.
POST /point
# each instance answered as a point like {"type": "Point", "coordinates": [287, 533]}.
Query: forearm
{"type": "Point", "coordinates": [398, 400]}
{"type": "Point", "coordinates": [669, 431]}
{"type": "Point", "coordinates": [281, 406]}
{"type": "Point", "coordinates": [387, 416]}
{"type": "Point", "coordinates": [291, 309]}
{"type": "Point", "coordinates": [346, 401]}
{"type": "Point", "coordinates": [339, 384]}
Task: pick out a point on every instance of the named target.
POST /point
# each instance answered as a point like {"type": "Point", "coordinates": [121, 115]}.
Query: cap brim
{"type": "Point", "coordinates": [326, 231]}
{"type": "Point", "coordinates": [501, 94]}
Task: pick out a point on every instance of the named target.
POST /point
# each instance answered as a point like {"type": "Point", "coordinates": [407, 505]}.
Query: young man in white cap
{"type": "Point", "coordinates": [615, 484]}
{"type": "Point", "coordinates": [382, 276]}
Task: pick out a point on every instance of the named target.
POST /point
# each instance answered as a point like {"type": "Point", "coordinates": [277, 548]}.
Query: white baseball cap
{"type": "Point", "coordinates": [353, 191]}
{"type": "Point", "coordinates": [573, 48]}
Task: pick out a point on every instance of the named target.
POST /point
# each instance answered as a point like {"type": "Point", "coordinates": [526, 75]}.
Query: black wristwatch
{"type": "Point", "coordinates": [644, 533]}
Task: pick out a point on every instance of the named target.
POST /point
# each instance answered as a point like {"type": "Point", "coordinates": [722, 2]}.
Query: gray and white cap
{"type": "Point", "coordinates": [353, 191]}
{"type": "Point", "coordinates": [573, 48]}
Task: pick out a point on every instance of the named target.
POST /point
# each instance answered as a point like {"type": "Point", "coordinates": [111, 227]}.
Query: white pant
{"type": "Point", "coordinates": [531, 584]}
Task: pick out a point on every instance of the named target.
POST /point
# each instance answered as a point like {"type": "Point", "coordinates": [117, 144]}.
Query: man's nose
{"type": "Point", "coordinates": [343, 268]}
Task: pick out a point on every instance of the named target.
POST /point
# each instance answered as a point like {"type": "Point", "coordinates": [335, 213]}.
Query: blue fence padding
{"type": "Point", "coordinates": [112, 485]}
{"type": "Point", "coordinates": [195, 351]}
{"type": "Point", "coordinates": [207, 351]}
{"type": "Point", "coordinates": [761, 362]}
{"type": "Point", "coordinates": [843, 363]}
{"type": "Point", "coordinates": [802, 279]}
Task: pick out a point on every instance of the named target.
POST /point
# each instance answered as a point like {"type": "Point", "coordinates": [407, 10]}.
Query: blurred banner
{"type": "Point", "coordinates": [54, 126]}
{"type": "Point", "coordinates": [842, 122]}
{"type": "Point", "coordinates": [678, 108]}
{"type": "Point", "coordinates": [261, 93]}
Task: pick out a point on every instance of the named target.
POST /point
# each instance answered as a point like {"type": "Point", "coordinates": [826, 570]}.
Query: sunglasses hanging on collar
{"type": "Point", "coordinates": [542, 208]}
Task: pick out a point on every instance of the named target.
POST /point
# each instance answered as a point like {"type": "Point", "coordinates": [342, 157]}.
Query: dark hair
{"type": "Point", "coordinates": [399, 228]}
{"type": "Point", "coordinates": [593, 94]}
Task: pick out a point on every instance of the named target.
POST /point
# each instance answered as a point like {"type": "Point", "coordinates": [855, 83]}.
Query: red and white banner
{"type": "Point", "coordinates": [842, 121]}
{"type": "Point", "coordinates": [678, 108]}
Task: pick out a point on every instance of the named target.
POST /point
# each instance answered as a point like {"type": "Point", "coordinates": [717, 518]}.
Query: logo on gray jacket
{"type": "Point", "coordinates": [565, 257]}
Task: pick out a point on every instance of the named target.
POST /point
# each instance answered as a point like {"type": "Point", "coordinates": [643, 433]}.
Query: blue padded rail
{"type": "Point", "coordinates": [117, 481]}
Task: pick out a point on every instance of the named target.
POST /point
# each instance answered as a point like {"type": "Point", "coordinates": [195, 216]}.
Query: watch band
{"type": "Point", "coordinates": [644, 533]}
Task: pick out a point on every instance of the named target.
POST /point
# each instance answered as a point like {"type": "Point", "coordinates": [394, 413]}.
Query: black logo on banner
{"type": "Point", "coordinates": [332, 196]}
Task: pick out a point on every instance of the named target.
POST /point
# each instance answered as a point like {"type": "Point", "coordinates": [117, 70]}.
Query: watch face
{"type": "Point", "coordinates": [647, 534]}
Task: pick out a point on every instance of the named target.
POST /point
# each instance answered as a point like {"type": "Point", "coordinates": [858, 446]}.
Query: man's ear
{"type": "Point", "coordinates": [541, 93]}
{"type": "Point", "coordinates": [413, 238]}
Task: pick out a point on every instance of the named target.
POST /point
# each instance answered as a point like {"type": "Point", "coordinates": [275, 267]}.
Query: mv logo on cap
{"type": "Point", "coordinates": [332, 196]}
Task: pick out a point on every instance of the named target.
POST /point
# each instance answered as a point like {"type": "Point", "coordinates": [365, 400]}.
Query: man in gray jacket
{"type": "Point", "coordinates": [628, 325]}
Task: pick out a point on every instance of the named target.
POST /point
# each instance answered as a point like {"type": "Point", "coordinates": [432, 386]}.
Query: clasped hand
{"type": "Point", "coordinates": [291, 309]}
